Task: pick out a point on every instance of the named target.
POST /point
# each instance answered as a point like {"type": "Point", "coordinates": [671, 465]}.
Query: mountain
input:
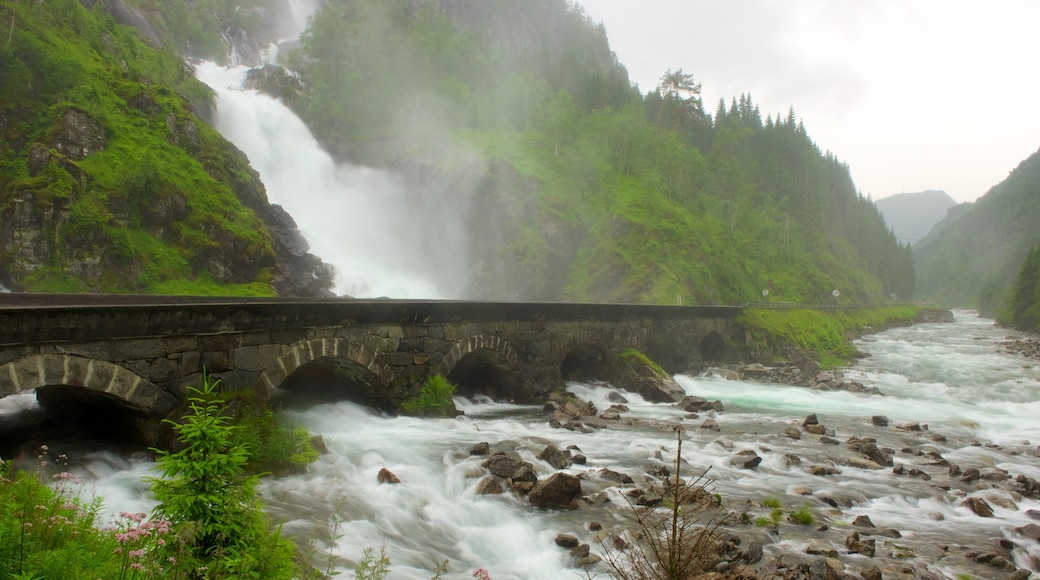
{"type": "Point", "coordinates": [525, 156]}
{"type": "Point", "coordinates": [912, 215]}
{"type": "Point", "coordinates": [110, 181]}
{"type": "Point", "coordinates": [972, 258]}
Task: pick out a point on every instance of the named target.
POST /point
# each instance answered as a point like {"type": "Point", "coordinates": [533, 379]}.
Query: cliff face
{"type": "Point", "coordinates": [110, 181]}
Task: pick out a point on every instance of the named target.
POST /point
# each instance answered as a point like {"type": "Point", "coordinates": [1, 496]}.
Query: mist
{"type": "Point", "coordinates": [397, 232]}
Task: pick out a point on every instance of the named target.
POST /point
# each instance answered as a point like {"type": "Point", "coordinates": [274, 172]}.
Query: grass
{"type": "Point", "coordinates": [433, 399]}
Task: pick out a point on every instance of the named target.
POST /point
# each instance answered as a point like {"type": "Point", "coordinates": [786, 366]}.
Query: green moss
{"type": "Point", "coordinates": [824, 332]}
{"type": "Point", "coordinates": [630, 355]}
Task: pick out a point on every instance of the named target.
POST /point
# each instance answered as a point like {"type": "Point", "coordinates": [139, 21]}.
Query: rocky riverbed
{"type": "Point", "coordinates": [829, 539]}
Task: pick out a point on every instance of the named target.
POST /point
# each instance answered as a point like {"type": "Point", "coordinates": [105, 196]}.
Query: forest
{"type": "Point", "coordinates": [597, 192]}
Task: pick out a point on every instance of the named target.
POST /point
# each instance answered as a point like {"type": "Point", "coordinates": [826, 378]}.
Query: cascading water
{"type": "Point", "coordinates": [977, 401]}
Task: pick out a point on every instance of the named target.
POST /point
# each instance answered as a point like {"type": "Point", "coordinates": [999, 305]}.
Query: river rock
{"type": "Point", "coordinates": [753, 553]}
{"type": "Point", "coordinates": [616, 477]}
{"type": "Point", "coordinates": [855, 545]}
{"type": "Point", "coordinates": [979, 506]}
{"type": "Point", "coordinates": [318, 444]}
{"type": "Point", "coordinates": [863, 521]}
{"type": "Point", "coordinates": [525, 472]}
{"type": "Point", "coordinates": [1031, 531]}
{"type": "Point", "coordinates": [792, 432]}
{"type": "Point", "coordinates": [567, 541]}
{"type": "Point", "coordinates": [556, 457]}
{"type": "Point", "coordinates": [558, 490]}
{"type": "Point", "coordinates": [710, 424]}
{"type": "Point", "coordinates": [746, 459]}
{"type": "Point", "coordinates": [811, 420]}
{"type": "Point", "coordinates": [482, 448]}
{"type": "Point", "coordinates": [868, 447]}
{"type": "Point", "coordinates": [879, 420]}
{"type": "Point", "coordinates": [616, 397]}
{"type": "Point", "coordinates": [862, 463]}
{"type": "Point", "coordinates": [387, 476]}
{"type": "Point", "coordinates": [872, 573]}
{"type": "Point", "coordinates": [816, 429]}
{"type": "Point", "coordinates": [503, 465]}
{"type": "Point", "coordinates": [489, 486]}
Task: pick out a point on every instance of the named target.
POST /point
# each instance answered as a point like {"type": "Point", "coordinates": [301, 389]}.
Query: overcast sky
{"type": "Point", "coordinates": [912, 94]}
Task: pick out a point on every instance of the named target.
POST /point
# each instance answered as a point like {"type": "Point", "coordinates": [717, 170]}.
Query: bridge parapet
{"type": "Point", "coordinates": [378, 350]}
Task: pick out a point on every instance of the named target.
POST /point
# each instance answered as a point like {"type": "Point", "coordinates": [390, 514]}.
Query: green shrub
{"type": "Point", "coordinates": [434, 399]}
{"type": "Point", "coordinates": [803, 516]}
{"type": "Point", "coordinates": [213, 506]}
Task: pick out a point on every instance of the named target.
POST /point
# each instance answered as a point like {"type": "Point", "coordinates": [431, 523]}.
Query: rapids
{"type": "Point", "coordinates": [976, 401]}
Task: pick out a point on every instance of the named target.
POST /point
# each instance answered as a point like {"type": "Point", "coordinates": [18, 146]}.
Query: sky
{"type": "Point", "coordinates": [911, 94]}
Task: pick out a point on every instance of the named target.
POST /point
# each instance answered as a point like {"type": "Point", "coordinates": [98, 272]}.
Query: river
{"type": "Point", "coordinates": [978, 404]}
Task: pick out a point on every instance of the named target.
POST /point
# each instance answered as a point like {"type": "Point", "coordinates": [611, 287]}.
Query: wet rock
{"type": "Point", "coordinates": [856, 545]}
{"type": "Point", "coordinates": [558, 490]}
{"type": "Point", "coordinates": [556, 457]}
{"type": "Point", "coordinates": [525, 472]}
{"type": "Point", "coordinates": [595, 526]}
{"type": "Point", "coordinates": [971, 474]}
{"type": "Point", "coordinates": [811, 420]}
{"type": "Point", "coordinates": [318, 444]}
{"type": "Point", "coordinates": [710, 424]}
{"type": "Point", "coordinates": [862, 463]}
{"type": "Point", "coordinates": [1033, 514]}
{"type": "Point", "coordinates": [863, 521]}
{"type": "Point", "coordinates": [489, 486]}
{"type": "Point", "coordinates": [616, 397]}
{"type": "Point", "coordinates": [611, 475]}
{"type": "Point", "coordinates": [502, 465]}
{"type": "Point", "coordinates": [822, 470]}
{"type": "Point", "coordinates": [791, 459]}
{"type": "Point", "coordinates": [889, 533]}
{"type": "Point", "coordinates": [979, 506]}
{"type": "Point", "coordinates": [1031, 531]}
{"type": "Point", "coordinates": [753, 553]}
{"type": "Point", "coordinates": [829, 441]}
{"type": "Point", "coordinates": [482, 448]}
{"type": "Point", "coordinates": [816, 429]}
{"type": "Point", "coordinates": [746, 459]}
{"type": "Point", "coordinates": [872, 573]}
{"type": "Point", "coordinates": [801, 490]}
{"type": "Point", "coordinates": [579, 459]}
{"type": "Point", "coordinates": [825, 569]}
{"type": "Point", "coordinates": [567, 541]}
{"type": "Point", "coordinates": [868, 447]}
{"type": "Point", "coordinates": [910, 427]}
{"type": "Point", "coordinates": [792, 432]}
{"type": "Point", "coordinates": [693, 404]}
{"type": "Point", "coordinates": [821, 550]}
{"type": "Point", "coordinates": [387, 476]}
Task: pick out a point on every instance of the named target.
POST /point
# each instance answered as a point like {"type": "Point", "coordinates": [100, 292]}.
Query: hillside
{"type": "Point", "coordinates": [973, 257]}
{"type": "Point", "coordinates": [912, 215]}
{"type": "Point", "coordinates": [585, 189]}
{"type": "Point", "coordinates": [563, 182]}
{"type": "Point", "coordinates": [110, 181]}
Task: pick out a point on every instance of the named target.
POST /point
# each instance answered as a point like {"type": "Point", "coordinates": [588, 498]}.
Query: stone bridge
{"type": "Point", "coordinates": [140, 353]}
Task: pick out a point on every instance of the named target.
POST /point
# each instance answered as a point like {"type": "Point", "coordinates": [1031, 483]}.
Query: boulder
{"type": "Point", "coordinates": [746, 459]}
{"type": "Point", "coordinates": [611, 475]}
{"type": "Point", "coordinates": [639, 377]}
{"type": "Point", "coordinates": [558, 490]}
{"type": "Point", "coordinates": [482, 448]}
{"type": "Point", "coordinates": [502, 465]}
{"type": "Point", "coordinates": [567, 541]}
{"type": "Point", "coordinates": [979, 506]}
{"type": "Point", "coordinates": [556, 457]}
{"type": "Point", "coordinates": [489, 486]}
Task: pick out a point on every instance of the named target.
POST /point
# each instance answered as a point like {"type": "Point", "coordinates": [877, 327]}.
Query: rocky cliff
{"type": "Point", "coordinates": [110, 181]}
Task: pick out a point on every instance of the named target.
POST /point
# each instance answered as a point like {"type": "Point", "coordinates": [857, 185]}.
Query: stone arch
{"type": "Point", "coordinates": [327, 350]}
{"type": "Point", "coordinates": [713, 347]}
{"type": "Point", "coordinates": [483, 364]}
{"type": "Point", "coordinates": [106, 379]}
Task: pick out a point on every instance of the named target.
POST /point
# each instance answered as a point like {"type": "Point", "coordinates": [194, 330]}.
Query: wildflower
{"type": "Point", "coordinates": [481, 574]}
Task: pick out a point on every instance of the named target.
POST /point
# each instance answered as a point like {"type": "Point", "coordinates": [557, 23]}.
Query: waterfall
{"type": "Point", "coordinates": [386, 236]}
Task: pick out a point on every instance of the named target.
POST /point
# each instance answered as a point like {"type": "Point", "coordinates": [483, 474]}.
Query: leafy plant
{"type": "Point", "coordinates": [371, 566]}
{"type": "Point", "coordinates": [434, 398]}
{"type": "Point", "coordinates": [802, 516]}
{"type": "Point", "coordinates": [212, 504]}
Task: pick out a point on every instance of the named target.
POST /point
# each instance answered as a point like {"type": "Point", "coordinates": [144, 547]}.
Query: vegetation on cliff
{"type": "Point", "coordinates": [1023, 308]}
{"type": "Point", "coordinates": [826, 333]}
{"type": "Point", "coordinates": [972, 258]}
{"type": "Point", "coordinates": [109, 181]}
{"type": "Point", "coordinates": [591, 191]}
